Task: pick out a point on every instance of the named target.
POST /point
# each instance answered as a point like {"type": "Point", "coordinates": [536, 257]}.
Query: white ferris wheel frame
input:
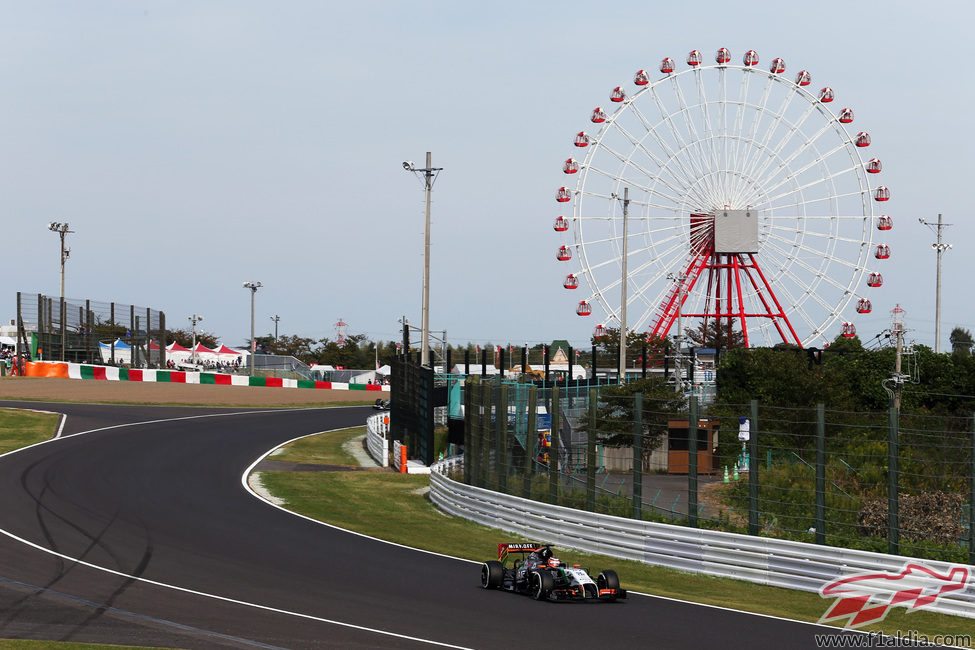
{"type": "Point", "coordinates": [704, 162]}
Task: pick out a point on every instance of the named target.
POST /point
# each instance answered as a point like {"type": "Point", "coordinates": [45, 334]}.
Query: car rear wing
{"type": "Point", "coordinates": [517, 547]}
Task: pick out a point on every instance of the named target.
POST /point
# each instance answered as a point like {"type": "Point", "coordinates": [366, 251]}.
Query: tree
{"type": "Point", "coordinates": [961, 342]}
{"type": "Point", "coordinates": [615, 415]}
{"type": "Point", "coordinates": [717, 334]}
{"type": "Point", "coordinates": [185, 338]}
{"type": "Point", "coordinates": [608, 345]}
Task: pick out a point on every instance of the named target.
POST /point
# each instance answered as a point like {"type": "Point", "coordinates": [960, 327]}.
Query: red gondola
{"type": "Point", "coordinates": [882, 194]}
{"type": "Point", "coordinates": [804, 78]}
{"type": "Point", "coordinates": [561, 224]}
{"type": "Point", "coordinates": [884, 222]}
{"type": "Point", "coordinates": [874, 166]}
{"type": "Point", "coordinates": [723, 55]}
{"type": "Point", "coordinates": [564, 254]}
{"type": "Point", "coordinates": [826, 95]}
{"type": "Point", "coordinates": [584, 308]}
{"type": "Point", "coordinates": [862, 139]}
{"type": "Point", "coordinates": [750, 58]}
{"type": "Point", "coordinates": [883, 252]}
{"type": "Point", "coordinates": [864, 306]}
{"type": "Point", "coordinates": [598, 115]}
{"type": "Point", "coordinates": [571, 282]}
{"type": "Point", "coordinates": [617, 95]}
{"type": "Point", "coordinates": [846, 116]}
{"type": "Point", "coordinates": [582, 139]}
{"type": "Point", "coordinates": [599, 332]}
{"type": "Point", "coordinates": [694, 57]}
{"type": "Point", "coordinates": [849, 330]}
{"type": "Point", "coordinates": [875, 280]}
{"type": "Point", "coordinates": [778, 66]}
{"type": "Point", "coordinates": [570, 166]}
{"type": "Point", "coordinates": [641, 78]}
{"type": "Point", "coordinates": [667, 65]}
{"type": "Point", "coordinates": [564, 195]}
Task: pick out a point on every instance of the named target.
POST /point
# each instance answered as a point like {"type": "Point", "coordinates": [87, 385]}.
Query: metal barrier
{"type": "Point", "coordinates": [377, 437]}
{"type": "Point", "coordinates": [762, 560]}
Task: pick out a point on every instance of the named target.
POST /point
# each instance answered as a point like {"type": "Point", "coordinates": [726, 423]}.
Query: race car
{"type": "Point", "coordinates": [541, 575]}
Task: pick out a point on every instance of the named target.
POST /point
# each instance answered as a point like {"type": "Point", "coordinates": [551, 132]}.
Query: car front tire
{"type": "Point", "coordinates": [540, 585]}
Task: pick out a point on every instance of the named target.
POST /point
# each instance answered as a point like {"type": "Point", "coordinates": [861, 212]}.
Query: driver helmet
{"type": "Point", "coordinates": [553, 562]}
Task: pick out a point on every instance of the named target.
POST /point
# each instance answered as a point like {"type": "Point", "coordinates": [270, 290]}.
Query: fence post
{"type": "Point", "coordinates": [971, 497]}
{"type": "Point", "coordinates": [820, 473]}
{"type": "Point", "coordinates": [893, 523]}
{"type": "Point", "coordinates": [591, 452]}
{"type": "Point", "coordinates": [753, 470]}
{"type": "Point", "coordinates": [501, 432]}
{"type": "Point", "coordinates": [469, 414]}
{"type": "Point", "coordinates": [531, 436]}
{"type": "Point", "coordinates": [553, 450]}
{"type": "Point", "coordinates": [692, 464]}
{"type": "Point", "coordinates": [638, 456]}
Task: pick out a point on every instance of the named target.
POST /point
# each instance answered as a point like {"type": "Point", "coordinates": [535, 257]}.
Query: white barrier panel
{"type": "Point", "coordinates": [763, 560]}
{"type": "Point", "coordinates": [377, 438]}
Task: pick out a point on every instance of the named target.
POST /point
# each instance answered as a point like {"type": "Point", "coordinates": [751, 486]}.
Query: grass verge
{"type": "Point", "coordinates": [23, 428]}
{"type": "Point", "coordinates": [395, 507]}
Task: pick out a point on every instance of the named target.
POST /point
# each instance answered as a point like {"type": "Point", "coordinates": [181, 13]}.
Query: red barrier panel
{"type": "Point", "coordinates": [274, 382]}
{"type": "Point", "coordinates": [135, 375]}
{"type": "Point", "coordinates": [98, 372]}
{"type": "Point", "coordinates": [222, 380]}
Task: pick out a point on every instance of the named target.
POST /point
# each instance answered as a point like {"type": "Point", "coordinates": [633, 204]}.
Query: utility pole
{"type": "Point", "coordinates": [626, 215]}
{"type": "Point", "coordinates": [429, 176]}
{"type": "Point", "coordinates": [940, 248]}
{"type": "Point", "coordinates": [276, 319]}
{"type": "Point", "coordinates": [679, 278]}
{"type": "Point", "coordinates": [897, 379]}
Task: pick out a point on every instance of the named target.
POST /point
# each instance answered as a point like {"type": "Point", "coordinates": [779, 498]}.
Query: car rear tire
{"type": "Point", "coordinates": [608, 580]}
{"type": "Point", "coordinates": [540, 585]}
{"type": "Point", "coordinates": [492, 574]}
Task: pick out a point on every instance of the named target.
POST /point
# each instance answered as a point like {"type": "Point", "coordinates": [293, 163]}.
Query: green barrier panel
{"type": "Point", "coordinates": [257, 381]}
{"type": "Point", "coordinates": [162, 376]}
{"type": "Point", "coordinates": [87, 372]}
{"type": "Point", "coordinates": [123, 374]}
{"type": "Point", "coordinates": [306, 383]}
{"type": "Point", "coordinates": [207, 378]}
{"type": "Point", "coordinates": [357, 387]}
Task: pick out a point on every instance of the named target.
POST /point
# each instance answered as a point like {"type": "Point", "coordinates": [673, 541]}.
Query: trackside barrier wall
{"type": "Point", "coordinates": [762, 560]}
{"type": "Point", "coordinates": [112, 373]}
{"type": "Point", "coordinates": [377, 438]}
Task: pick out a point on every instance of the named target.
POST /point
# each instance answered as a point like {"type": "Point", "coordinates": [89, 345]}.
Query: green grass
{"type": "Point", "coordinates": [394, 507]}
{"type": "Point", "coordinates": [17, 644]}
{"type": "Point", "coordinates": [22, 428]}
{"type": "Point", "coordinates": [322, 449]}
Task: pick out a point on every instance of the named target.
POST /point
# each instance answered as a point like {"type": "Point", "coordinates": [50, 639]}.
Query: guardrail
{"type": "Point", "coordinates": [377, 437]}
{"type": "Point", "coordinates": [762, 560]}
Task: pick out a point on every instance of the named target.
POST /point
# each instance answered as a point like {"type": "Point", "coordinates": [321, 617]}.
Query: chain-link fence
{"type": "Point", "coordinates": [891, 482]}
{"type": "Point", "coordinates": [89, 331]}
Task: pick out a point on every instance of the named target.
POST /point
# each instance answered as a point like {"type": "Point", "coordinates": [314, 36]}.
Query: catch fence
{"type": "Point", "coordinates": [88, 331]}
{"type": "Point", "coordinates": [894, 482]}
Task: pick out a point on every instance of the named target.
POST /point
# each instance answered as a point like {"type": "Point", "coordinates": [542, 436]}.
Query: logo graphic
{"type": "Point", "coordinates": [867, 597]}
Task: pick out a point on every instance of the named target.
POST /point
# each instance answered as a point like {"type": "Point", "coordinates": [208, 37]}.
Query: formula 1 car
{"type": "Point", "coordinates": [544, 577]}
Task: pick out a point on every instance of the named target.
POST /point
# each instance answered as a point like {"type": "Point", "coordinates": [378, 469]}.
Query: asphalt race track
{"type": "Point", "coordinates": [142, 533]}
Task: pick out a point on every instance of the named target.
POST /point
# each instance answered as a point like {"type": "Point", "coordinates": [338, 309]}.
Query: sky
{"type": "Point", "coordinates": [193, 146]}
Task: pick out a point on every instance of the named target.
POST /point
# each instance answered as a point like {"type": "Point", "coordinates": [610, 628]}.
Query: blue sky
{"type": "Point", "coordinates": [195, 145]}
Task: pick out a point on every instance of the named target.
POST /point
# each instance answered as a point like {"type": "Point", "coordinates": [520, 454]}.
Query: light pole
{"type": "Point", "coordinates": [62, 230]}
{"type": "Point", "coordinates": [253, 286]}
{"type": "Point", "coordinates": [941, 248]}
{"type": "Point", "coordinates": [194, 319]}
{"type": "Point", "coordinates": [276, 319]}
{"type": "Point", "coordinates": [429, 176]}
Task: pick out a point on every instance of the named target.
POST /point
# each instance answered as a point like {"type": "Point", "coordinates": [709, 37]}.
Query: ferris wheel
{"type": "Point", "coordinates": [746, 200]}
